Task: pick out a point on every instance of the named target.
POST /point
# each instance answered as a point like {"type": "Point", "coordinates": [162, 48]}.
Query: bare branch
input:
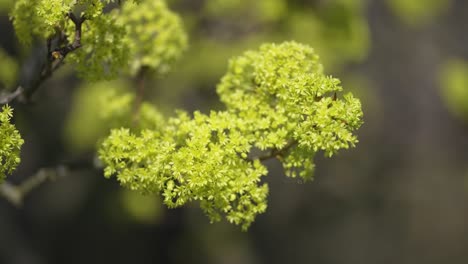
{"type": "Point", "coordinates": [11, 193]}
{"type": "Point", "coordinates": [6, 99]}
{"type": "Point", "coordinates": [16, 193]}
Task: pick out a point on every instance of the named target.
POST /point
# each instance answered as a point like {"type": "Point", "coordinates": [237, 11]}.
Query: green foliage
{"type": "Point", "coordinates": [279, 104]}
{"type": "Point", "coordinates": [44, 18]}
{"type": "Point", "coordinates": [263, 10]}
{"type": "Point", "coordinates": [96, 107]}
{"type": "Point", "coordinates": [10, 143]}
{"type": "Point", "coordinates": [146, 209]}
{"type": "Point", "coordinates": [123, 40]}
{"type": "Point", "coordinates": [5, 5]}
{"type": "Point", "coordinates": [454, 87]}
{"type": "Point", "coordinates": [418, 12]}
{"type": "Point", "coordinates": [154, 33]}
{"type": "Point", "coordinates": [283, 86]}
{"type": "Point", "coordinates": [51, 13]}
{"type": "Point", "coordinates": [99, 106]}
{"type": "Point", "coordinates": [8, 70]}
{"type": "Point", "coordinates": [25, 20]}
{"type": "Point", "coordinates": [145, 35]}
{"type": "Point", "coordinates": [105, 50]}
{"type": "Point", "coordinates": [337, 29]}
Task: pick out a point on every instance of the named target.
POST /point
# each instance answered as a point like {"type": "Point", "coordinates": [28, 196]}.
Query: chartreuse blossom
{"type": "Point", "coordinates": [279, 104]}
{"type": "Point", "coordinates": [10, 143]}
{"type": "Point", "coordinates": [123, 40]}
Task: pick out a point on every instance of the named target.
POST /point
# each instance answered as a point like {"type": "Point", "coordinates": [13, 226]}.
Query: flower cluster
{"type": "Point", "coordinates": [139, 34]}
{"type": "Point", "coordinates": [279, 104]}
{"type": "Point", "coordinates": [10, 143]}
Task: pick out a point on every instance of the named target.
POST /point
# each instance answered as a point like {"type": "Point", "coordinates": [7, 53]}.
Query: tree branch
{"type": "Point", "coordinates": [62, 52]}
{"type": "Point", "coordinates": [53, 62]}
{"type": "Point", "coordinates": [275, 153]}
{"type": "Point", "coordinates": [15, 194]}
{"type": "Point", "coordinates": [7, 98]}
{"type": "Point", "coordinates": [140, 81]}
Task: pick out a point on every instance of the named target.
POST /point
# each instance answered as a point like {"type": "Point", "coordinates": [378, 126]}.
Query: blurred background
{"type": "Point", "coordinates": [401, 196]}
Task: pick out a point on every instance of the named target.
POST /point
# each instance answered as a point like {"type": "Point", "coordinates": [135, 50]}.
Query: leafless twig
{"type": "Point", "coordinates": [16, 193]}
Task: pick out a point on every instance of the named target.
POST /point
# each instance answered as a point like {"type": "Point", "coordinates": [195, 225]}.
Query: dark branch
{"type": "Point", "coordinates": [15, 194]}
{"type": "Point", "coordinates": [61, 52]}
{"type": "Point", "coordinates": [54, 61]}
{"type": "Point", "coordinates": [277, 153]}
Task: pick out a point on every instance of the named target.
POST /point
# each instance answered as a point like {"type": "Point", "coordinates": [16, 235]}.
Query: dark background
{"type": "Point", "coordinates": [399, 197]}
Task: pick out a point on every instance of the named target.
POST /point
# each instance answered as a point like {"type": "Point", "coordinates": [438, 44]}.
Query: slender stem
{"type": "Point", "coordinates": [11, 96]}
{"type": "Point", "coordinates": [16, 193]}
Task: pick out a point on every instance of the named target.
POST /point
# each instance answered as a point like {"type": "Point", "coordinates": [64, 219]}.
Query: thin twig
{"type": "Point", "coordinates": [16, 193]}
{"type": "Point", "coordinates": [11, 193]}
{"type": "Point", "coordinates": [6, 99]}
